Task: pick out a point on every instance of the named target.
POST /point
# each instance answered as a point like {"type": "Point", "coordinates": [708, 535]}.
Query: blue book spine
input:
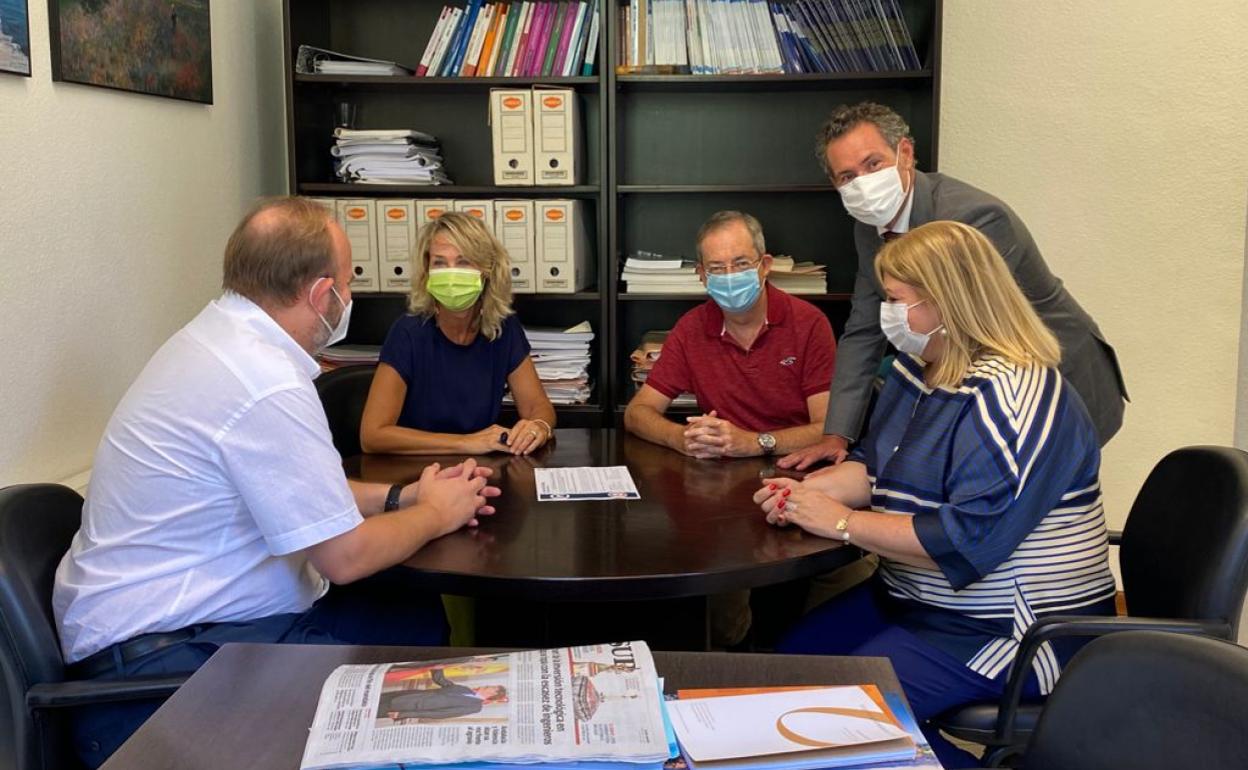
{"type": "Point", "coordinates": [474, 8]}
{"type": "Point", "coordinates": [452, 45]}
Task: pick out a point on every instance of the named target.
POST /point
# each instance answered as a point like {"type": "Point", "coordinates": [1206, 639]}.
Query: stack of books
{"type": "Point", "coordinates": [713, 37]}
{"type": "Point", "coordinates": [385, 156]}
{"type": "Point", "coordinates": [650, 273]}
{"type": "Point", "coordinates": [644, 358]}
{"type": "Point", "coordinates": [561, 357]}
{"type": "Point", "coordinates": [798, 277]}
{"type": "Point", "coordinates": [513, 38]}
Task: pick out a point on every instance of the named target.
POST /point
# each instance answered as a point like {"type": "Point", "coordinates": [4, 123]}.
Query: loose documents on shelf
{"type": "Point", "coordinates": [801, 729]}
{"type": "Point", "coordinates": [311, 60]}
{"type": "Point", "coordinates": [612, 482]}
{"type": "Point", "coordinates": [574, 708]}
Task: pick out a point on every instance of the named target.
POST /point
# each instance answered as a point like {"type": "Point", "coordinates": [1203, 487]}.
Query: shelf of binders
{"type": "Point", "coordinates": [344, 190]}
{"type": "Point", "coordinates": [760, 82]}
{"type": "Point", "coordinates": [456, 84]}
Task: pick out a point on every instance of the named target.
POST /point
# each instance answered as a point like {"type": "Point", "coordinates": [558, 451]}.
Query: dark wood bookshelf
{"type": "Point", "coordinates": [816, 81]}
{"type": "Point", "coordinates": [662, 153]}
{"type": "Point", "coordinates": [434, 83]}
{"type": "Point", "coordinates": [344, 190]}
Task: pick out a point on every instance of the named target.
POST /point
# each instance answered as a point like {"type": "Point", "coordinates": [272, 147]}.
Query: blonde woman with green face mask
{"type": "Point", "coordinates": [444, 367]}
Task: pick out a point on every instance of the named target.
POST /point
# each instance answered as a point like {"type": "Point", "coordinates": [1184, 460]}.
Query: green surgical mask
{"type": "Point", "coordinates": [456, 288]}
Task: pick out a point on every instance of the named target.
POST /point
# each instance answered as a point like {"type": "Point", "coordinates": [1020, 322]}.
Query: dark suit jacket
{"type": "Point", "coordinates": [1088, 361]}
{"type": "Point", "coordinates": [450, 700]}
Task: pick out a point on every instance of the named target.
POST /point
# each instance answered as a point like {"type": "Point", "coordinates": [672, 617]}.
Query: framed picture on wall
{"type": "Point", "coordinates": [14, 37]}
{"type": "Point", "coordinates": [158, 47]}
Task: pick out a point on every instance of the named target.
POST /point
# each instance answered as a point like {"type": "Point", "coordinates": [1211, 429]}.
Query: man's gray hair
{"type": "Point", "coordinates": [849, 116]}
{"type": "Point", "coordinates": [723, 218]}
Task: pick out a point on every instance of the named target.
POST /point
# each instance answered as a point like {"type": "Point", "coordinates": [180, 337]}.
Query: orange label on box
{"type": "Point", "coordinates": [478, 213]}
{"type": "Point", "coordinates": [553, 102]}
{"type": "Point", "coordinates": [554, 215]}
{"type": "Point", "coordinates": [356, 213]}
{"type": "Point", "coordinates": [397, 213]}
{"type": "Point", "coordinates": [512, 102]}
{"type": "Point", "coordinates": [434, 213]}
{"type": "Point", "coordinates": [515, 215]}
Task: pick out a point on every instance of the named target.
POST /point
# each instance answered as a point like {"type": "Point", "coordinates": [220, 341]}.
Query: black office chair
{"type": "Point", "coordinates": [37, 522]}
{"type": "Point", "coordinates": [1146, 700]}
{"type": "Point", "coordinates": [1184, 558]}
{"type": "Point", "coordinates": [343, 392]}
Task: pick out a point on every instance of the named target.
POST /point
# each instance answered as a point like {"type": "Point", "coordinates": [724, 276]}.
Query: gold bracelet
{"type": "Point", "coordinates": [549, 431]}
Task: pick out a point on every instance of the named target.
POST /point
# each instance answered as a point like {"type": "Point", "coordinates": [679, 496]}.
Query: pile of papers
{"type": "Point", "coordinates": [321, 61]}
{"type": "Point", "coordinates": [561, 357]}
{"type": "Point", "coordinates": [578, 708]}
{"type": "Point", "coordinates": [798, 277]}
{"type": "Point", "coordinates": [650, 273]}
{"type": "Point", "coordinates": [387, 156]}
{"type": "Point", "coordinates": [349, 355]}
{"type": "Point", "coordinates": [644, 358]}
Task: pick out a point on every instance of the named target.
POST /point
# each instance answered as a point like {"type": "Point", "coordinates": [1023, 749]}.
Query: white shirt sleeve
{"type": "Point", "coordinates": [281, 458]}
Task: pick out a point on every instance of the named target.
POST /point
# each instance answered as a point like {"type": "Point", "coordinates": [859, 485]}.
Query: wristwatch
{"type": "Point", "coordinates": [392, 498]}
{"type": "Point", "coordinates": [767, 442]}
{"type": "Point", "coordinates": [842, 527]}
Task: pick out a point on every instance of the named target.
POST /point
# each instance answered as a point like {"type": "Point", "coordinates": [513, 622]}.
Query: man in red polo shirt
{"type": "Point", "coordinates": [757, 359]}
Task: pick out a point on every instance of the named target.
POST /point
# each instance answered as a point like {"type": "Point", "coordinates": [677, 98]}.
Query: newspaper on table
{"type": "Point", "coordinates": [566, 706]}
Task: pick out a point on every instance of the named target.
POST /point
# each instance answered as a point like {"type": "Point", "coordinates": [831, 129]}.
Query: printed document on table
{"type": "Point", "coordinates": [609, 483]}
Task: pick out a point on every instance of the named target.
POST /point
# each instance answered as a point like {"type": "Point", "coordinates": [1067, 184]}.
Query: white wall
{"type": "Point", "coordinates": [114, 211]}
{"type": "Point", "coordinates": [1117, 130]}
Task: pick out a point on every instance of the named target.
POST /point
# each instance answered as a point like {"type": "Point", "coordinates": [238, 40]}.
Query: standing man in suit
{"type": "Point", "coordinates": [448, 700]}
{"type": "Point", "coordinates": [868, 153]}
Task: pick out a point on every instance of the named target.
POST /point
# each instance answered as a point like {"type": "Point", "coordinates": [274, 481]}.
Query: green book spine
{"type": "Point", "coordinates": [552, 44]}
{"type": "Point", "coordinates": [509, 34]}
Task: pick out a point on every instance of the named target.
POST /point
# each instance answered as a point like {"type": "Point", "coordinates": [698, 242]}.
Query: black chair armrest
{"type": "Point", "coordinates": [1058, 626]}
{"type": "Point", "coordinates": [51, 695]}
{"type": "Point", "coordinates": [1115, 537]}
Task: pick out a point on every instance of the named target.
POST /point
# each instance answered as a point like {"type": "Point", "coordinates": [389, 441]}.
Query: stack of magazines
{"type": "Point", "coordinates": [387, 156]}
{"type": "Point", "coordinates": [580, 708]}
{"type": "Point", "coordinates": [648, 272]}
{"type": "Point", "coordinates": [646, 356]}
{"type": "Point", "coordinates": [561, 357]}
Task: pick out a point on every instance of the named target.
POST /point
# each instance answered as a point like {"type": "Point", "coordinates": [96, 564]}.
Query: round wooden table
{"type": "Point", "coordinates": [694, 532]}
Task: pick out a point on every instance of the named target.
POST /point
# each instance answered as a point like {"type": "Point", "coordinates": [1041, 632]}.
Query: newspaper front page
{"type": "Point", "coordinates": [593, 703]}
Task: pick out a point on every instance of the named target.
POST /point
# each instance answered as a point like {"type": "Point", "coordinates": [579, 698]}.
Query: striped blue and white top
{"type": "Point", "coordinates": [1001, 477]}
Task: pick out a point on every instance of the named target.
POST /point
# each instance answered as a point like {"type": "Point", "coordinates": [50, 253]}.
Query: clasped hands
{"type": "Point", "coordinates": [708, 436]}
{"type": "Point", "coordinates": [789, 501]}
{"type": "Point", "coordinates": [458, 491]}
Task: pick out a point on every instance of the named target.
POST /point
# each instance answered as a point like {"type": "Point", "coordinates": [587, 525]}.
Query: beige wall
{"type": "Point", "coordinates": [116, 207]}
{"type": "Point", "coordinates": [1117, 129]}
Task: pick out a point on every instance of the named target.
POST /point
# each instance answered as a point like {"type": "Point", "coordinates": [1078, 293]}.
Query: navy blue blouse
{"type": "Point", "coordinates": [452, 388]}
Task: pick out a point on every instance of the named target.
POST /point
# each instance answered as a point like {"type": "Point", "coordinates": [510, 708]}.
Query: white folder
{"type": "Point", "coordinates": [359, 221]}
{"type": "Point", "coordinates": [511, 125]}
{"type": "Point", "coordinates": [513, 226]}
{"type": "Point", "coordinates": [429, 210]}
{"type": "Point", "coordinates": [481, 209]}
{"type": "Point", "coordinates": [396, 237]}
{"type": "Point", "coordinates": [556, 136]}
{"type": "Point", "coordinates": [563, 264]}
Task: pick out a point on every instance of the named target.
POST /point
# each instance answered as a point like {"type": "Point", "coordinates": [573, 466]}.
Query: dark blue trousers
{"type": "Point", "coordinates": [380, 610]}
{"type": "Point", "coordinates": [856, 623]}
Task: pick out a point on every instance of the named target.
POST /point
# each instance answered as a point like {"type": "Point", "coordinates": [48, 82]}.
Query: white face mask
{"type": "Point", "coordinates": [338, 332]}
{"type": "Point", "coordinates": [895, 323]}
{"type": "Point", "coordinates": [874, 198]}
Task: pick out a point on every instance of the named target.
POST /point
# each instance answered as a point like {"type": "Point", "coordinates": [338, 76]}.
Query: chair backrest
{"type": "Point", "coordinates": [1146, 700]}
{"type": "Point", "coordinates": [343, 392]}
{"type": "Point", "coordinates": [1185, 543]}
{"type": "Point", "coordinates": [37, 523]}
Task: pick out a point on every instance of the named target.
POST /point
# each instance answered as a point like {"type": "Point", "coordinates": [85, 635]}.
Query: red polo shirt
{"type": "Point", "coordinates": [761, 389]}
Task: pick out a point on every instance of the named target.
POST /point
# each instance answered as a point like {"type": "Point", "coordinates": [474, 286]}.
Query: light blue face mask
{"type": "Point", "coordinates": [734, 292]}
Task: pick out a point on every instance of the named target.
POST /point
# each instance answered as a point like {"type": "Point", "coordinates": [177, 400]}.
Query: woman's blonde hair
{"type": "Point", "coordinates": [984, 312]}
{"type": "Point", "coordinates": [468, 234]}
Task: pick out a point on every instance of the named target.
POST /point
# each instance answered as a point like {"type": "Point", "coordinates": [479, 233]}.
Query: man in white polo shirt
{"type": "Point", "coordinates": [218, 509]}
